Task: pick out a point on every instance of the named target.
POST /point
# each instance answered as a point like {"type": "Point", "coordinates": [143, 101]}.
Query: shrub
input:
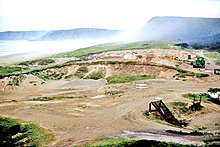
{"type": "Point", "coordinates": [205, 97]}
{"type": "Point", "coordinates": [81, 71]}
{"type": "Point", "coordinates": [180, 108]}
{"type": "Point", "coordinates": [200, 75]}
{"type": "Point", "coordinates": [15, 132]}
{"type": "Point", "coordinates": [126, 79]}
{"type": "Point", "coordinates": [96, 75]}
{"type": "Point", "coordinates": [11, 70]}
{"type": "Point", "coordinates": [57, 98]}
{"type": "Point", "coordinates": [39, 62]}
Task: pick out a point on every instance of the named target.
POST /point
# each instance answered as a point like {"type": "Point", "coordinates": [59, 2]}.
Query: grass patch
{"type": "Point", "coordinates": [68, 76]}
{"type": "Point", "coordinates": [113, 92]}
{"type": "Point", "coordinates": [57, 98]}
{"type": "Point", "coordinates": [43, 61]}
{"type": "Point", "coordinates": [84, 52]}
{"type": "Point", "coordinates": [205, 97]}
{"type": "Point", "coordinates": [119, 142]}
{"type": "Point", "coordinates": [50, 74]}
{"type": "Point", "coordinates": [215, 56]}
{"type": "Point", "coordinates": [193, 133]}
{"type": "Point", "coordinates": [127, 79]}
{"type": "Point", "coordinates": [201, 75]}
{"type": "Point", "coordinates": [14, 132]}
{"type": "Point", "coordinates": [184, 74]}
{"type": "Point", "coordinates": [150, 117]}
{"type": "Point", "coordinates": [16, 80]}
{"type": "Point", "coordinates": [180, 108]}
{"type": "Point", "coordinates": [11, 70]}
{"type": "Point", "coordinates": [96, 75]}
{"type": "Point", "coordinates": [81, 71]}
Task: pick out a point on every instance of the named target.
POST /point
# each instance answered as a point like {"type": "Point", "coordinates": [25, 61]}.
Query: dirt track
{"type": "Point", "coordinates": [80, 120]}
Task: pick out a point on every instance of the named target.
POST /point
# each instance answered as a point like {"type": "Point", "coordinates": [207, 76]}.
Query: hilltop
{"type": "Point", "coordinates": [79, 33]}
{"type": "Point", "coordinates": [21, 35]}
{"type": "Point", "coordinates": [188, 29]}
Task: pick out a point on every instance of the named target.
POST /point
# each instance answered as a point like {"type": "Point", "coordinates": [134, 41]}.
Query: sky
{"type": "Point", "coordinates": [21, 15]}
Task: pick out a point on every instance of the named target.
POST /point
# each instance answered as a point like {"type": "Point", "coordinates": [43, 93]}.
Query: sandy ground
{"type": "Point", "coordinates": [78, 121]}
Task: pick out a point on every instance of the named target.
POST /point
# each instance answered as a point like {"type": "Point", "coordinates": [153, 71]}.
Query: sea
{"type": "Point", "coordinates": [21, 50]}
{"type": "Point", "coordinates": [39, 48]}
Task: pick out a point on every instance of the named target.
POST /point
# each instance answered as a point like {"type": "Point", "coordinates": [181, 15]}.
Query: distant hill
{"type": "Point", "coordinates": [181, 29]}
{"type": "Point", "coordinates": [79, 33]}
{"type": "Point", "coordinates": [21, 35]}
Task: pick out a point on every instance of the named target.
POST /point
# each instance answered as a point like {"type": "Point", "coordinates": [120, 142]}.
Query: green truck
{"type": "Point", "coordinates": [199, 63]}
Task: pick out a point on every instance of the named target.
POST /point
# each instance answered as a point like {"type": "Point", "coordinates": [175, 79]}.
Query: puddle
{"type": "Point", "coordinates": [159, 137]}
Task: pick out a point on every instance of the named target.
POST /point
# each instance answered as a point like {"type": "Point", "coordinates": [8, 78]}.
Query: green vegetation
{"type": "Point", "coordinates": [214, 55]}
{"type": "Point", "coordinates": [57, 98]}
{"type": "Point", "coordinates": [82, 53]}
{"type": "Point", "coordinates": [184, 74]}
{"type": "Point", "coordinates": [205, 97]}
{"type": "Point", "coordinates": [11, 70]}
{"type": "Point", "coordinates": [200, 75]}
{"type": "Point", "coordinates": [96, 75]}
{"type": "Point", "coordinates": [179, 104]}
{"type": "Point", "coordinates": [180, 108]}
{"type": "Point", "coordinates": [127, 79]}
{"type": "Point", "coordinates": [193, 133]}
{"type": "Point", "coordinates": [68, 76]}
{"type": "Point", "coordinates": [43, 61]}
{"type": "Point", "coordinates": [81, 71]}
{"type": "Point", "coordinates": [16, 80]}
{"type": "Point", "coordinates": [119, 142]}
{"type": "Point", "coordinates": [14, 132]}
{"type": "Point", "coordinates": [50, 74]}
{"type": "Point", "coordinates": [113, 92]}
{"type": "Point", "coordinates": [150, 117]}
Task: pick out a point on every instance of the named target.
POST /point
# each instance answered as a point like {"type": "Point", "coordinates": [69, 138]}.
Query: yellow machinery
{"type": "Point", "coordinates": [171, 58]}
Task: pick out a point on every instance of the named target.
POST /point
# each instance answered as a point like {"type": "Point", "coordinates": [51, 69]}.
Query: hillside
{"type": "Point", "coordinates": [79, 33]}
{"type": "Point", "coordinates": [186, 29]}
{"type": "Point", "coordinates": [21, 35]}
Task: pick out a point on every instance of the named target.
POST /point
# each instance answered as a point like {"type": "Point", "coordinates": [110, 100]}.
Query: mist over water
{"type": "Point", "coordinates": [43, 48]}
{"type": "Point", "coordinates": [25, 48]}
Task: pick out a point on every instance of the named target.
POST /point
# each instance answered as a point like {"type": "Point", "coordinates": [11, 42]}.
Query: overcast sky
{"type": "Point", "coordinates": [111, 14]}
